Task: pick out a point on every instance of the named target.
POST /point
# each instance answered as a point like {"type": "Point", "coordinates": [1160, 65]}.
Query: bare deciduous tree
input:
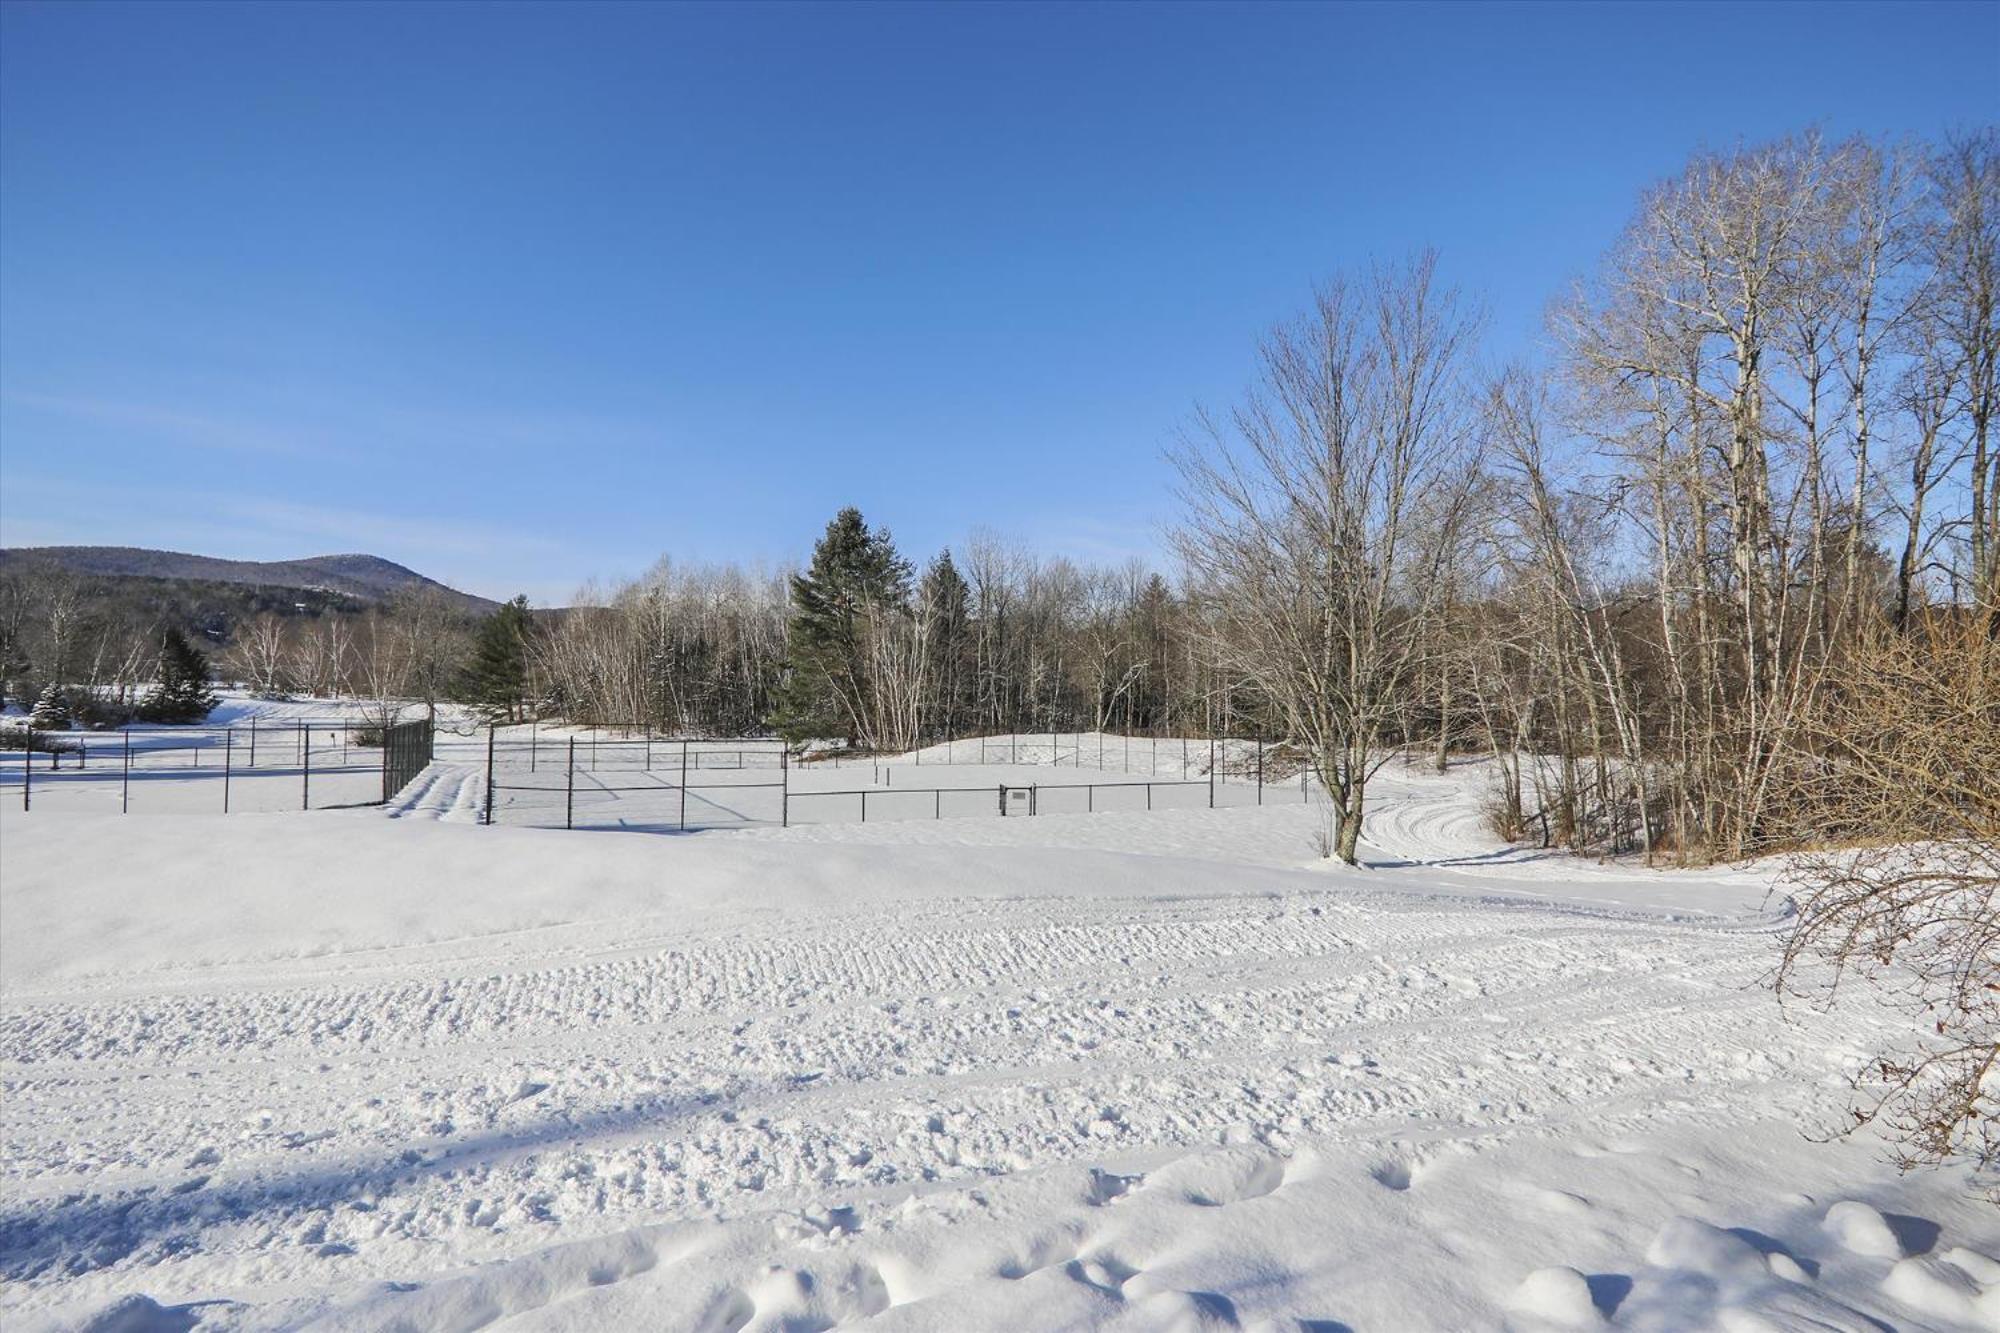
{"type": "Point", "coordinates": [1322, 510]}
{"type": "Point", "coordinates": [258, 654]}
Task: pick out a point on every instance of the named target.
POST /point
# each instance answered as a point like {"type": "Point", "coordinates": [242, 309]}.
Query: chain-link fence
{"type": "Point", "coordinates": [251, 766]}
{"type": "Point", "coordinates": [626, 777]}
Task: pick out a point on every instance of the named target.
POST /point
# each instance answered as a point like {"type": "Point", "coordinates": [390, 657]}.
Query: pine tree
{"type": "Point", "coordinates": [945, 600]}
{"type": "Point", "coordinates": [180, 690]}
{"type": "Point", "coordinates": [52, 711]}
{"type": "Point", "coordinates": [854, 571]}
{"type": "Point", "coordinates": [496, 680]}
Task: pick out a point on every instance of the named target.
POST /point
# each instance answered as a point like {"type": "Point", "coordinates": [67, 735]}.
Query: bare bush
{"type": "Point", "coordinates": [1909, 749]}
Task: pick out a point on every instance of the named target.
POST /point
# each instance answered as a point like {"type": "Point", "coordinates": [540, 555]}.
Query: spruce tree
{"type": "Point", "coordinates": [496, 680]}
{"type": "Point", "coordinates": [853, 570]}
{"type": "Point", "coordinates": [945, 601]}
{"type": "Point", "coordinates": [180, 690]}
{"type": "Point", "coordinates": [52, 711]}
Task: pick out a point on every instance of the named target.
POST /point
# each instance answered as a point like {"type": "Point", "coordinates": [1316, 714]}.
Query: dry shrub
{"type": "Point", "coordinates": [1502, 812]}
{"type": "Point", "coordinates": [1900, 783]}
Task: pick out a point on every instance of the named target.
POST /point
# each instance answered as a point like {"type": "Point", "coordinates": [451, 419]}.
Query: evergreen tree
{"type": "Point", "coordinates": [496, 680]}
{"type": "Point", "coordinates": [52, 711]}
{"type": "Point", "coordinates": [1152, 618]}
{"type": "Point", "coordinates": [945, 601]}
{"type": "Point", "coordinates": [854, 572]}
{"type": "Point", "coordinates": [180, 690]}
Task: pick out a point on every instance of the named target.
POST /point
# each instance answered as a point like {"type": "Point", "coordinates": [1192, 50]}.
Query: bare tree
{"type": "Point", "coordinates": [1586, 656]}
{"type": "Point", "coordinates": [258, 654]}
{"type": "Point", "coordinates": [430, 639]}
{"type": "Point", "coordinates": [1321, 511]}
{"type": "Point", "coordinates": [1964, 255]}
{"type": "Point", "coordinates": [321, 655]}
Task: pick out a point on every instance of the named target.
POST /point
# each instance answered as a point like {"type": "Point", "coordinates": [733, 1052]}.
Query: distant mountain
{"type": "Point", "coordinates": [362, 578]}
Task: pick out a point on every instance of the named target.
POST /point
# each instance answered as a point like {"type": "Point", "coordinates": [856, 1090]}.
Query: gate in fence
{"type": "Point", "coordinates": [406, 752]}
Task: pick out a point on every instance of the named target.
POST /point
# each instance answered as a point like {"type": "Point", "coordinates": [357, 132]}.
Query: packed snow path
{"type": "Point", "coordinates": [1130, 1070]}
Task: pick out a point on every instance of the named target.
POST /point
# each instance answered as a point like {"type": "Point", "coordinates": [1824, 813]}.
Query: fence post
{"type": "Point", "coordinates": [1149, 796]}
{"type": "Point", "coordinates": [684, 786]}
{"type": "Point", "coordinates": [534, 741]}
{"type": "Point", "coordinates": [1260, 770]}
{"type": "Point", "coordinates": [385, 764]}
{"type": "Point", "coordinates": [569, 792]}
{"type": "Point", "coordinates": [785, 787]}
{"type": "Point", "coordinates": [593, 749]}
{"type": "Point", "coordinates": [1211, 772]}
{"type": "Point", "coordinates": [253, 740]}
{"type": "Point", "coordinates": [937, 804]}
{"type": "Point", "coordinates": [489, 774]}
{"type": "Point", "coordinates": [228, 760]}
{"type": "Point", "coordinates": [305, 768]}
{"type": "Point", "coordinates": [864, 805]}
{"type": "Point", "coordinates": [28, 766]}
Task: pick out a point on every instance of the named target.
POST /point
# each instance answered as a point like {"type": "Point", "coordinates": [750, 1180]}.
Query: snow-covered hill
{"type": "Point", "coordinates": [366, 578]}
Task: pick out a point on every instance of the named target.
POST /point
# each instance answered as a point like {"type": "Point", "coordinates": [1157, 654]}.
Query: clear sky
{"type": "Point", "coordinates": [521, 295]}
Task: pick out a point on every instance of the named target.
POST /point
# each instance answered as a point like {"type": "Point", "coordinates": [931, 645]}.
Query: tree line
{"type": "Point", "coordinates": [862, 646]}
{"type": "Point", "coordinates": [1720, 578]}
{"type": "Point", "coordinates": [102, 648]}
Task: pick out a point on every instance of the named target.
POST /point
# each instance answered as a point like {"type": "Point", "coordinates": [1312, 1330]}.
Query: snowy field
{"type": "Point", "coordinates": [373, 1069]}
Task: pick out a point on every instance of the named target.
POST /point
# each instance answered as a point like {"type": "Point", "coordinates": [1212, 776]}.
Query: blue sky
{"type": "Point", "coordinates": [521, 296]}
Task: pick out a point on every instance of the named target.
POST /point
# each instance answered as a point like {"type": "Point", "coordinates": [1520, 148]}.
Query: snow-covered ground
{"type": "Point", "coordinates": [1133, 1070]}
